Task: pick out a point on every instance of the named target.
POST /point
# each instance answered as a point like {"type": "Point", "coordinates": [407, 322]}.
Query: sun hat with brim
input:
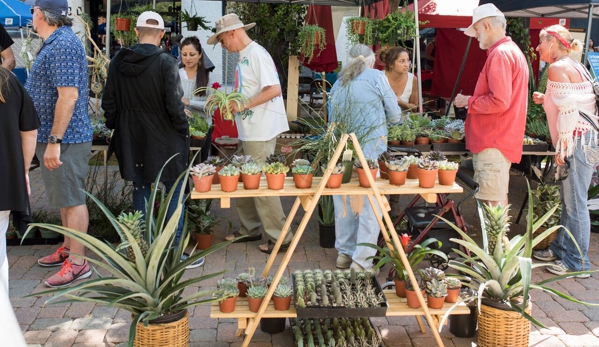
{"type": "Point", "coordinates": [482, 11]}
{"type": "Point", "coordinates": [227, 23]}
{"type": "Point", "coordinates": [142, 20]}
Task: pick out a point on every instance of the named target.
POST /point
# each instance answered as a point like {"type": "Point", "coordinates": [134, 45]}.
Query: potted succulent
{"type": "Point", "coordinates": [447, 172]}
{"type": "Point", "coordinates": [282, 297]}
{"type": "Point", "coordinates": [275, 175]}
{"type": "Point", "coordinates": [455, 129]}
{"type": "Point", "coordinates": [255, 295]}
{"type": "Point", "coordinates": [411, 296]}
{"type": "Point", "coordinates": [436, 291]}
{"type": "Point", "coordinates": [218, 164]}
{"type": "Point", "coordinates": [453, 289]}
{"type": "Point", "coordinates": [226, 292]}
{"type": "Point", "coordinates": [427, 172]}
{"type": "Point", "coordinates": [436, 155]}
{"type": "Point", "coordinates": [394, 135]}
{"type": "Point", "coordinates": [502, 278]}
{"type": "Point", "coordinates": [398, 171]}
{"type": "Point", "coordinates": [437, 136]}
{"type": "Point", "coordinates": [251, 173]}
{"type": "Point", "coordinates": [201, 221]}
{"type": "Point", "coordinates": [244, 280]}
{"type": "Point", "coordinates": [239, 160]}
{"type": "Point", "coordinates": [198, 128]}
{"type": "Point", "coordinates": [413, 170]}
{"type": "Point", "coordinates": [303, 173]}
{"type": "Point", "coordinates": [408, 136]}
{"type": "Point", "coordinates": [229, 178]}
{"type": "Point", "coordinates": [336, 177]}
{"type": "Point", "coordinates": [193, 21]}
{"type": "Point", "coordinates": [373, 166]}
{"type": "Point", "coordinates": [144, 286]}
{"type": "Point", "coordinates": [312, 41]}
{"type": "Point", "coordinates": [360, 30]}
{"type": "Point", "coordinates": [202, 177]}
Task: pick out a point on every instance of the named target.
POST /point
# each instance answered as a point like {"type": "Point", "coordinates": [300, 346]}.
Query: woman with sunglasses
{"type": "Point", "coordinates": [569, 103]}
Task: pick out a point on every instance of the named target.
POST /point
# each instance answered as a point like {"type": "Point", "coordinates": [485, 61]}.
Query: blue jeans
{"type": "Point", "coordinates": [575, 213]}
{"type": "Point", "coordinates": [141, 194]}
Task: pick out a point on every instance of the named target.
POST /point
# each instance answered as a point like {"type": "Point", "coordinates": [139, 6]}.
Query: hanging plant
{"type": "Point", "coordinates": [360, 30]}
{"type": "Point", "coordinates": [397, 26]}
{"type": "Point", "coordinates": [193, 21]}
{"type": "Point", "coordinates": [312, 39]}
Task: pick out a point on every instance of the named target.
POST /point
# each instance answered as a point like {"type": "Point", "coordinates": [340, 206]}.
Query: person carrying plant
{"type": "Point", "coordinates": [497, 110]}
{"type": "Point", "coordinates": [259, 121]}
{"type": "Point", "coordinates": [572, 118]}
{"type": "Point", "coordinates": [142, 103]}
{"type": "Point", "coordinates": [59, 89]}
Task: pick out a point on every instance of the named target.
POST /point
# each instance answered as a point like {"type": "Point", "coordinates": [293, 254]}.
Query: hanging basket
{"type": "Point", "coordinates": [502, 327]}
{"type": "Point", "coordinates": [358, 27]}
{"type": "Point", "coordinates": [123, 24]}
{"type": "Point", "coordinates": [172, 334]}
{"type": "Point", "coordinates": [192, 26]}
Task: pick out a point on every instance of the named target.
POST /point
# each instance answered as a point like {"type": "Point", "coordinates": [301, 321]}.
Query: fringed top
{"type": "Point", "coordinates": [563, 102]}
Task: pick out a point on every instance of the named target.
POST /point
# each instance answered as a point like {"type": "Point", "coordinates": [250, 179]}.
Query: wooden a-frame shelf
{"type": "Point", "coordinates": [308, 198]}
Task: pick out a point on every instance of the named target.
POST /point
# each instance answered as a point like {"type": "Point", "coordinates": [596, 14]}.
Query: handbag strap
{"type": "Point", "coordinates": [588, 119]}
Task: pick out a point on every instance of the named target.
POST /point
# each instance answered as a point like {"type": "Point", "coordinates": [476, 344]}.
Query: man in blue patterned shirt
{"type": "Point", "coordinates": [58, 87]}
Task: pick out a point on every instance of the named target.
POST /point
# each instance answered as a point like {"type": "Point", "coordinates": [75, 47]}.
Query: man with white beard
{"type": "Point", "coordinates": [497, 109]}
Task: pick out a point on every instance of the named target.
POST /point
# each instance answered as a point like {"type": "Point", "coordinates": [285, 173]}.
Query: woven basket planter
{"type": "Point", "coordinates": [174, 334]}
{"type": "Point", "coordinates": [546, 241]}
{"type": "Point", "coordinates": [502, 328]}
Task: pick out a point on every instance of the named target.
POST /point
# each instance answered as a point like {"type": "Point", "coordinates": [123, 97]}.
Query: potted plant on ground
{"type": "Point", "coordinates": [255, 295]}
{"type": "Point", "coordinates": [373, 166]}
{"type": "Point", "coordinates": [303, 173]}
{"type": "Point", "coordinates": [326, 221]}
{"type": "Point", "coordinates": [398, 171]}
{"type": "Point", "coordinates": [202, 177]}
{"type": "Point", "coordinates": [427, 172]}
{"type": "Point", "coordinates": [193, 21]}
{"type": "Point", "coordinates": [447, 172]}
{"type": "Point", "coordinates": [229, 178]}
{"type": "Point", "coordinates": [275, 175]}
{"type": "Point", "coordinates": [226, 292]}
{"type": "Point", "coordinates": [151, 287]}
{"type": "Point", "coordinates": [312, 41]}
{"type": "Point", "coordinates": [201, 221]}
{"type": "Point", "coordinates": [502, 279]}
{"type": "Point", "coordinates": [251, 173]}
{"type": "Point", "coordinates": [545, 197]}
{"type": "Point", "coordinates": [11, 232]}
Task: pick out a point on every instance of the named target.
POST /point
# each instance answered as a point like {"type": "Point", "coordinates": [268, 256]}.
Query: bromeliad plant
{"type": "Point", "coordinates": [504, 275]}
{"type": "Point", "coordinates": [152, 286]}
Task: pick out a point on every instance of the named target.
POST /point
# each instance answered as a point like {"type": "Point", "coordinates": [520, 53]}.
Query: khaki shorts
{"type": "Point", "coordinates": [492, 173]}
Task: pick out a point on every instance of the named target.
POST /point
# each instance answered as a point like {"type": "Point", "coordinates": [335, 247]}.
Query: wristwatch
{"type": "Point", "coordinates": [53, 139]}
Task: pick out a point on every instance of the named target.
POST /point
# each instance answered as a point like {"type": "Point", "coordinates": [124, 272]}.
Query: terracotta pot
{"type": "Point", "coordinates": [451, 140]}
{"type": "Point", "coordinates": [452, 295]}
{"type": "Point", "coordinates": [435, 303]}
{"type": "Point", "coordinates": [202, 184]}
{"type": "Point", "coordinates": [229, 183]}
{"type": "Point", "coordinates": [215, 179]}
{"type": "Point", "coordinates": [243, 289]}
{"type": "Point", "coordinates": [427, 178]}
{"type": "Point", "coordinates": [317, 38]}
{"type": "Point", "coordinates": [363, 179]}
{"type": "Point", "coordinates": [407, 143]}
{"type": "Point", "coordinates": [123, 24]}
{"type": "Point", "coordinates": [204, 241]}
{"type": "Point", "coordinates": [447, 177]}
{"type": "Point", "coordinates": [422, 140]}
{"type": "Point", "coordinates": [227, 305]}
{"type": "Point", "coordinates": [393, 143]}
{"type": "Point", "coordinates": [384, 170]}
{"type": "Point", "coordinates": [400, 288]}
{"type": "Point", "coordinates": [334, 181]}
{"type": "Point", "coordinates": [254, 303]}
{"type": "Point", "coordinates": [275, 181]}
{"type": "Point", "coordinates": [413, 172]}
{"type": "Point", "coordinates": [412, 299]}
{"type": "Point", "coordinates": [438, 141]}
{"type": "Point", "coordinates": [251, 181]}
{"type": "Point", "coordinates": [359, 27]}
{"type": "Point", "coordinates": [397, 178]}
{"type": "Point", "coordinates": [303, 181]}
{"type": "Point", "coordinates": [281, 304]}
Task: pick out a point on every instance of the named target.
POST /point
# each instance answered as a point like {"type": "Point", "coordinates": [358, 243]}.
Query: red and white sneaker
{"type": "Point", "coordinates": [56, 258]}
{"type": "Point", "coordinates": [68, 274]}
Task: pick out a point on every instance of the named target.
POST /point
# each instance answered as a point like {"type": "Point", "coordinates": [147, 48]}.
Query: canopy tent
{"type": "Point", "coordinates": [14, 14]}
{"type": "Point", "coordinates": [546, 8]}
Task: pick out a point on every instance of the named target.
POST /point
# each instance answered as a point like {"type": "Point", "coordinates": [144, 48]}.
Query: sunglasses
{"type": "Point", "coordinates": [33, 9]}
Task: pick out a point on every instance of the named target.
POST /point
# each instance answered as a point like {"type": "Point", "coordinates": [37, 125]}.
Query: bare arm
{"type": "Point", "coordinates": [65, 105]}
{"type": "Point", "coordinates": [428, 53]}
{"type": "Point", "coordinates": [266, 94]}
{"type": "Point", "coordinates": [8, 59]}
{"type": "Point", "coordinates": [28, 142]}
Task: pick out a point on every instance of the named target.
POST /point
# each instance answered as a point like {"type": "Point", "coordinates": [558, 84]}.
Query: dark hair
{"type": "Point", "coordinates": [389, 55]}
{"type": "Point", "coordinates": [202, 75]}
{"type": "Point", "coordinates": [56, 19]}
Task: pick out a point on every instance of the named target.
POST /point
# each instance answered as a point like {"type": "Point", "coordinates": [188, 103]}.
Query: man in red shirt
{"type": "Point", "coordinates": [497, 110]}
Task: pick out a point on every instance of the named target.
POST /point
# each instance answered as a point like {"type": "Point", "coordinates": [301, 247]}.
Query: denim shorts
{"type": "Point", "coordinates": [492, 173]}
{"type": "Point", "coordinates": [65, 185]}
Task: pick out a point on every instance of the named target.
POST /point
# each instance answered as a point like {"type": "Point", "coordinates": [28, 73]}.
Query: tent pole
{"type": "Point", "coordinates": [324, 96]}
{"type": "Point", "coordinates": [455, 87]}
{"type": "Point", "coordinates": [585, 58]}
{"type": "Point", "coordinates": [107, 43]}
{"type": "Point", "coordinates": [419, 68]}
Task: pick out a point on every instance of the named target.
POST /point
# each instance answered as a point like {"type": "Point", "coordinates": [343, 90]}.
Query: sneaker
{"type": "Point", "coordinates": [68, 274]}
{"type": "Point", "coordinates": [560, 269]}
{"type": "Point", "coordinates": [56, 258]}
{"type": "Point", "coordinates": [193, 265]}
{"type": "Point", "coordinates": [544, 255]}
{"type": "Point", "coordinates": [343, 261]}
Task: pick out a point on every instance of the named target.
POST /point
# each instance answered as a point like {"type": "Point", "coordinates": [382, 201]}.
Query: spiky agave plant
{"type": "Point", "coordinates": [151, 286]}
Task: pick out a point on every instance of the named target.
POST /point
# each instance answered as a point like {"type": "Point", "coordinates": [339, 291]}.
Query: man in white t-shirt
{"type": "Point", "coordinates": [261, 119]}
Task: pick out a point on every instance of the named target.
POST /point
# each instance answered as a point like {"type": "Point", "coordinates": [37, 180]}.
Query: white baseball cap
{"type": "Point", "coordinates": [482, 11]}
{"type": "Point", "coordinates": [142, 20]}
{"type": "Point", "coordinates": [227, 23]}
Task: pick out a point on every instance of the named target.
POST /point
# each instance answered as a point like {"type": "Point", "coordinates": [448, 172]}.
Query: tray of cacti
{"type": "Point", "coordinates": [340, 332]}
{"type": "Point", "coordinates": [342, 293]}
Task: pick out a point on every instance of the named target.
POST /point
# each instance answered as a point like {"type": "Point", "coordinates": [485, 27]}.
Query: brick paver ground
{"type": "Point", "coordinates": [88, 325]}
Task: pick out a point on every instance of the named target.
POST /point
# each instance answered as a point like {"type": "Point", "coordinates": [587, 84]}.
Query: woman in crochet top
{"type": "Point", "coordinates": [195, 74]}
{"type": "Point", "coordinates": [569, 97]}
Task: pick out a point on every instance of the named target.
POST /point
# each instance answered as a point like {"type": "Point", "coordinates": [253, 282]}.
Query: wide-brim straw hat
{"type": "Point", "coordinates": [227, 23]}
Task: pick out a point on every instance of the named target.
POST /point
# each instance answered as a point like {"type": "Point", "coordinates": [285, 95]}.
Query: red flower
{"type": "Point", "coordinates": [216, 85]}
{"type": "Point", "coordinates": [405, 240]}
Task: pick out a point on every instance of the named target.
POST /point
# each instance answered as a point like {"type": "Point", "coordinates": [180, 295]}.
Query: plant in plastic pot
{"type": "Point", "coordinates": [251, 173]}
{"type": "Point", "coordinates": [202, 176]}
{"type": "Point", "coordinates": [453, 289]}
{"type": "Point", "coordinates": [229, 178]}
{"type": "Point", "coordinates": [275, 175]}
{"type": "Point", "coordinates": [226, 292]}
{"type": "Point", "coordinates": [427, 172]}
{"type": "Point", "coordinates": [373, 166]}
{"type": "Point", "coordinates": [447, 173]}
{"type": "Point", "coordinates": [303, 173]}
{"type": "Point", "coordinates": [398, 171]}
{"type": "Point", "coordinates": [282, 297]}
{"type": "Point", "coordinates": [436, 291]}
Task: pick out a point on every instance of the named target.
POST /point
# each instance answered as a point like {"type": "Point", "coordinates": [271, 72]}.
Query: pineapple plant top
{"type": "Point", "coordinates": [497, 224]}
{"type": "Point", "coordinates": [135, 224]}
